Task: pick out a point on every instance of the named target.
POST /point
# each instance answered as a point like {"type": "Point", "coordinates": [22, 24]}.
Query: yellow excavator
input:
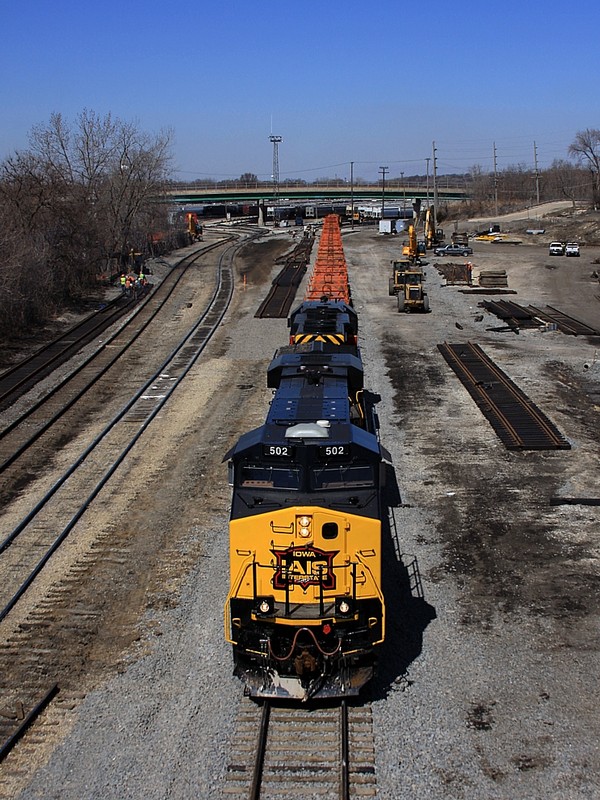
{"type": "Point", "coordinates": [433, 235]}
{"type": "Point", "coordinates": [411, 249]}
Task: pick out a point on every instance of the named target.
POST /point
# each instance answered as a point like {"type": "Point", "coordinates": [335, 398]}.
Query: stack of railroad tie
{"type": "Point", "coordinates": [492, 278]}
{"type": "Point", "coordinates": [330, 272]}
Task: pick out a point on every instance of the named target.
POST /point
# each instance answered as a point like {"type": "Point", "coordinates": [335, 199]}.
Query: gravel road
{"type": "Point", "coordinates": [487, 684]}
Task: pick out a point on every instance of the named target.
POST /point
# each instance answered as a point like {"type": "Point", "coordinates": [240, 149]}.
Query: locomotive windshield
{"type": "Point", "coordinates": [341, 476]}
{"type": "Point", "coordinates": [270, 477]}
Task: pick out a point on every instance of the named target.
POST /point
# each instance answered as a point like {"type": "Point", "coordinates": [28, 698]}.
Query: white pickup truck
{"type": "Point", "coordinates": [556, 249]}
{"type": "Point", "coordinates": [572, 249]}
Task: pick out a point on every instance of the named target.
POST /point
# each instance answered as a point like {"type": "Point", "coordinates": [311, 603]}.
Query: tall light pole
{"type": "Point", "coordinates": [495, 182]}
{"type": "Point", "coordinates": [383, 170]}
{"type": "Point", "coordinates": [537, 175]}
{"type": "Point", "coordinates": [428, 160]}
{"type": "Point", "coordinates": [275, 141]}
{"type": "Point", "coordinates": [435, 191]}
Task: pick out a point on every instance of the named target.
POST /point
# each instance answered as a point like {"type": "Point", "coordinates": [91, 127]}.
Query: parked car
{"type": "Point", "coordinates": [556, 249]}
{"type": "Point", "coordinates": [572, 249]}
{"type": "Point", "coordinates": [454, 250]}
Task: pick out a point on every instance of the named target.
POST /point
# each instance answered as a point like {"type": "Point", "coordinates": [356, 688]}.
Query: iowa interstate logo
{"type": "Point", "coordinates": [304, 566]}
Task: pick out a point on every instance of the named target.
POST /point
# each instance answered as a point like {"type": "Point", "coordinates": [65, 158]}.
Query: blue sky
{"type": "Point", "coordinates": [373, 83]}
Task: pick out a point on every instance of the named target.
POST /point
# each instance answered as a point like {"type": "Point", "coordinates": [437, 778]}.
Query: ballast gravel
{"type": "Point", "coordinates": [486, 688]}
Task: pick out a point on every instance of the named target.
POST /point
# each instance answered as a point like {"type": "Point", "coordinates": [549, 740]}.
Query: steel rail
{"type": "Point", "coordinates": [345, 752]}
{"type": "Point", "coordinates": [463, 371]}
{"type": "Point", "coordinates": [53, 352]}
{"type": "Point", "coordinates": [154, 298]}
{"type": "Point", "coordinates": [566, 323]}
{"type": "Point", "coordinates": [516, 419]}
{"type": "Point", "coordinates": [223, 290]}
{"type": "Point", "coordinates": [281, 295]}
{"type": "Point", "coordinates": [18, 733]}
{"type": "Point", "coordinates": [261, 750]}
{"type": "Point", "coordinates": [518, 316]}
{"type": "Point", "coordinates": [258, 769]}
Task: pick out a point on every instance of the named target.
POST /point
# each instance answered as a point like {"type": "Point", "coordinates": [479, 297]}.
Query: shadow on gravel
{"type": "Point", "coordinates": [407, 611]}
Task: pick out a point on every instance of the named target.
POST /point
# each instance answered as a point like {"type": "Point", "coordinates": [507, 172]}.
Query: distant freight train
{"type": "Point", "coordinates": [305, 612]}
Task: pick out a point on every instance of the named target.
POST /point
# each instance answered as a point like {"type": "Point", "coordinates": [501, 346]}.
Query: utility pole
{"type": "Point", "coordinates": [403, 194]}
{"type": "Point", "coordinates": [383, 170]}
{"type": "Point", "coordinates": [495, 182]}
{"type": "Point", "coordinates": [435, 191]}
{"type": "Point", "coordinates": [275, 140]}
{"type": "Point", "coordinates": [352, 194]}
{"type": "Point", "coordinates": [428, 160]}
{"type": "Point", "coordinates": [537, 175]}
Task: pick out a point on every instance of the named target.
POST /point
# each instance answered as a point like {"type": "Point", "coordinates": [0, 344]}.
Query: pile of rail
{"type": "Point", "coordinates": [517, 316]}
{"type": "Point", "coordinates": [330, 273]}
{"type": "Point", "coordinates": [516, 420]}
{"type": "Point", "coordinates": [283, 289]}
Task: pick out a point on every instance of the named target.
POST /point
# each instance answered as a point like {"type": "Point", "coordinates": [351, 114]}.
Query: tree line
{"type": "Point", "coordinates": [72, 207]}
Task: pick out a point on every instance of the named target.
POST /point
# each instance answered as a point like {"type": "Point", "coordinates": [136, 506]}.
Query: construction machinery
{"type": "Point", "coordinates": [433, 235]}
{"type": "Point", "coordinates": [406, 284]}
{"type": "Point", "coordinates": [194, 229]}
{"type": "Point", "coordinates": [413, 249]}
{"type": "Point", "coordinates": [406, 281]}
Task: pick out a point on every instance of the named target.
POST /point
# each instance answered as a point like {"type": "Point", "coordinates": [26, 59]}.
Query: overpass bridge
{"type": "Point", "coordinates": [302, 193]}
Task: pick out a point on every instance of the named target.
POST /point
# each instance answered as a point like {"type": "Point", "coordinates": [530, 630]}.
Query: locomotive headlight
{"type": "Point", "coordinates": [265, 606]}
{"type": "Point", "coordinates": [343, 606]}
{"type": "Point", "coordinates": [303, 525]}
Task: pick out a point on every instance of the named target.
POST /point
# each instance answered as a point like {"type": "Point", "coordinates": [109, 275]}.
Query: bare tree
{"type": "Point", "coordinates": [586, 149]}
{"type": "Point", "coordinates": [567, 179]}
{"type": "Point", "coordinates": [82, 195]}
{"type": "Point", "coordinates": [115, 169]}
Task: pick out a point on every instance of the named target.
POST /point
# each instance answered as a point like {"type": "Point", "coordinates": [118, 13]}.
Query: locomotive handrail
{"type": "Point", "coordinates": [286, 573]}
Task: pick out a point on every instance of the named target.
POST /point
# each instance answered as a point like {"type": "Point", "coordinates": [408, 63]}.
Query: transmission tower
{"type": "Point", "coordinates": [275, 140]}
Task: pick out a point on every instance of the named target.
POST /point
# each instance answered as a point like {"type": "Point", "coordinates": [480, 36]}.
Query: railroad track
{"type": "Point", "coordinates": [298, 752]}
{"type": "Point", "coordinates": [517, 421]}
{"type": "Point", "coordinates": [38, 422]}
{"type": "Point", "coordinates": [37, 651]}
{"type": "Point", "coordinates": [19, 378]}
{"type": "Point", "coordinates": [26, 549]}
{"type": "Point", "coordinates": [278, 301]}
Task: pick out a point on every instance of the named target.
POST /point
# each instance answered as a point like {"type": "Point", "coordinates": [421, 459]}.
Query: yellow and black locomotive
{"type": "Point", "coordinates": [305, 613]}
